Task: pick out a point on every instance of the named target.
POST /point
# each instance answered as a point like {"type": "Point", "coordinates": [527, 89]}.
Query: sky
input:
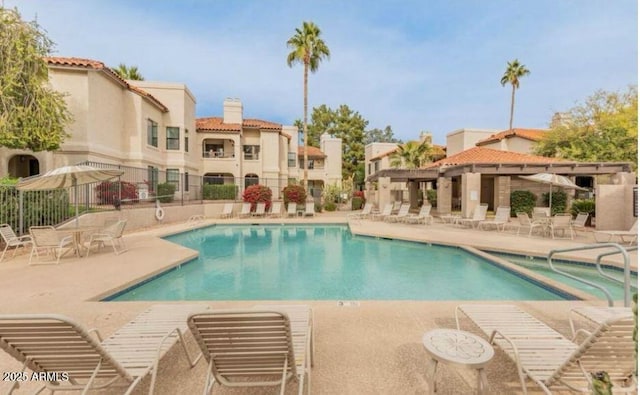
{"type": "Point", "coordinates": [414, 65]}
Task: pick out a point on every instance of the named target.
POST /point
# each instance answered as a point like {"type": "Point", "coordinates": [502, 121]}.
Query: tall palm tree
{"type": "Point", "coordinates": [309, 49]}
{"type": "Point", "coordinates": [512, 75]}
{"type": "Point", "coordinates": [128, 72]}
{"type": "Point", "coordinates": [411, 155]}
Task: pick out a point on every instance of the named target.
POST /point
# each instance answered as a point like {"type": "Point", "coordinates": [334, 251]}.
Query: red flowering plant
{"type": "Point", "coordinates": [257, 193]}
{"type": "Point", "coordinates": [107, 192]}
{"type": "Point", "coordinates": [295, 194]}
{"type": "Point", "coordinates": [359, 194]}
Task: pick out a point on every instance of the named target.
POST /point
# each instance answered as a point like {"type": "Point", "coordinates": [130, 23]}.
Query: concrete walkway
{"type": "Point", "coordinates": [372, 348]}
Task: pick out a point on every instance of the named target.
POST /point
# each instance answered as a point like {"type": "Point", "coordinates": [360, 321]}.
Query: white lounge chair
{"type": "Point", "coordinates": [580, 222]}
{"type": "Point", "coordinates": [260, 209]}
{"type": "Point", "coordinates": [551, 360]}
{"type": "Point", "coordinates": [310, 209]}
{"type": "Point", "coordinates": [364, 213]}
{"type": "Point", "coordinates": [525, 222]}
{"type": "Point", "coordinates": [276, 210]}
{"type": "Point", "coordinates": [112, 234]}
{"type": "Point", "coordinates": [626, 236]}
{"type": "Point", "coordinates": [58, 344]}
{"type": "Point", "coordinates": [10, 239]}
{"type": "Point", "coordinates": [386, 211]}
{"type": "Point", "coordinates": [47, 240]}
{"type": "Point", "coordinates": [561, 222]}
{"type": "Point", "coordinates": [541, 212]}
{"type": "Point", "coordinates": [246, 210]}
{"type": "Point", "coordinates": [401, 215]}
{"type": "Point", "coordinates": [292, 209]}
{"type": "Point", "coordinates": [479, 215]}
{"type": "Point", "coordinates": [423, 216]}
{"type": "Point", "coordinates": [503, 213]}
{"type": "Point", "coordinates": [227, 211]}
{"type": "Point", "coordinates": [267, 341]}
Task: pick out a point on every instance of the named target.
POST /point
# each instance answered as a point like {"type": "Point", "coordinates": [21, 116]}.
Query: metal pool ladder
{"type": "Point", "coordinates": [618, 249]}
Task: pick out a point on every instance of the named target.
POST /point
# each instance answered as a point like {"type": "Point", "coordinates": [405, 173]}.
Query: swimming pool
{"type": "Point", "coordinates": [310, 262]}
{"type": "Point", "coordinates": [589, 273]}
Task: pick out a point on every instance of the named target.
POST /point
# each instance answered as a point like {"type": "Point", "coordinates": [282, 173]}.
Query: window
{"type": "Point", "coordinates": [215, 150]}
{"type": "Point", "coordinates": [152, 173]}
{"type": "Point", "coordinates": [251, 152]}
{"type": "Point", "coordinates": [369, 167]}
{"type": "Point", "coordinates": [376, 166]}
{"type": "Point", "coordinates": [186, 143]}
{"type": "Point", "coordinates": [173, 177]}
{"type": "Point", "coordinates": [251, 179]}
{"type": "Point", "coordinates": [186, 182]}
{"type": "Point", "coordinates": [309, 166]}
{"type": "Point", "coordinates": [173, 138]}
{"type": "Point", "coordinates": [152, 133]}
{"type": "Point", "coordinates": [292, 159]}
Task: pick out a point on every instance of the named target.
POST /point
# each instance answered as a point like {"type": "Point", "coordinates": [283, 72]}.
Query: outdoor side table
{"type": "Point", "coordinates": [452, 346]}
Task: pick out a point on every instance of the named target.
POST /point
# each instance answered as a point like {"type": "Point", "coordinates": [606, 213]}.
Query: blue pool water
{"type": "Point", "coordinates": [589, 273]}
{"type": "Point", "coordinates": [274, 262]}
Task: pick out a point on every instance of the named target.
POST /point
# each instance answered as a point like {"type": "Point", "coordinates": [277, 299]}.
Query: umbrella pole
{"type": "Point", "coordinates": [550, 197]}
{"type": "Point", "coordinates": [75, 191]}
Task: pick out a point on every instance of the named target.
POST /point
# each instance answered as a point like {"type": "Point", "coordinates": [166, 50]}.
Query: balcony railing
{"type": "Point", "coordinates": [218, 154]}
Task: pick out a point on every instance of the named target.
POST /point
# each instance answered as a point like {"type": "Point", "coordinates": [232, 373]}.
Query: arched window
{"type": "Point", "coordinates": [251, 179]}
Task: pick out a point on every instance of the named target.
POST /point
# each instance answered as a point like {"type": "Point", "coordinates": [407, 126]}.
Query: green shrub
{"type": "Point", "coordinates": [330, 206]}
{"type": "Point", "coordinates": [583, 206]}
{"type": "Point", "coordinates": [522, 201]}
{"type": "Point", "coordinates": [219, 191]}
{"type": "Point", "coordinates": [356, 203]}
{"type": "Point", "coordinates": [257, 193]}
{"type": "Point", "coordinates": [558, 202]}
{"type": "Point", "coordinates": [40, 207]}
{"type": "Point", "coordinates": [432, 197]}
{"type": "Point", "coordinates": [294, 193]}
{"type": "Point", "coordinates": [165, 192]}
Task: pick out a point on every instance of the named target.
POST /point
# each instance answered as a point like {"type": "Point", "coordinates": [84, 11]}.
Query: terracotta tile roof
{"type": "Point", "coordinates": [215, 124]}
{"type": "Point", "coordinates": [528, 134]}
{"type": "Point", "coordinates": [312, 152]}
{"type": "Point", "coordinates": [258, 123]}
{"type": "Point", "coordinates": [97, 65]}
{"type": "Point", "coordinates": [489, 155]}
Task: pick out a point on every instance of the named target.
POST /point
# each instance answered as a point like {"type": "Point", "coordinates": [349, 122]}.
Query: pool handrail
{"type": "Point", "coordinates": [620, 250]}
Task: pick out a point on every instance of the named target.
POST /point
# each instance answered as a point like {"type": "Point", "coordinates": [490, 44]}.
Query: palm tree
{"type": "Point", "coordinates": [128, 73]}
{"type": "Point", "coordinates": [411, 155]}
{"type": "Point", "coordinates": [309, 49]}
{"type": "Point", "coordinates": [512, 75]}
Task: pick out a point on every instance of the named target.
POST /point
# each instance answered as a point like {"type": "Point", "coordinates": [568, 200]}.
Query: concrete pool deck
{"type": "Point", "coordinates": [372, 348]}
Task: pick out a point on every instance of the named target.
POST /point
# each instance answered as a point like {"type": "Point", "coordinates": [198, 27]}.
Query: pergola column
{"type": "Point", "coordinates": [470, 192]}
{"type": "Point", "coordinates": [413, 193]}
{"type": "Point", "coordinates": [384, 191]}
{"type": "Point", "coordinates": [444, 195]}
{"type": "Point", "coordinates": [502, 191]}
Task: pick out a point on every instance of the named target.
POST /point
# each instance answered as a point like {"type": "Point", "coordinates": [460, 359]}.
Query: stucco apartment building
{"type": "Point", "coordinates": [153, 126]}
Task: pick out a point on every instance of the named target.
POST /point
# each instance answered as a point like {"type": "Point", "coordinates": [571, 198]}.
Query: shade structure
{"type": "Point", "coordinates": [553, 180]}
{"type": "Point", "coordinates": [68, 176]}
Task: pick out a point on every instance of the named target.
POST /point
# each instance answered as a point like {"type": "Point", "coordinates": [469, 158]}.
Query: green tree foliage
{"type": "Point", "coordinates": [412, 155]}
{"type": "Point", "coordinates": [512, 76]}
{"type": "Point", "coordinates": [380, 136]}
{"type": "Point", "coordinates": [602, 129]}
{"type": "Point", "coordinates": [32, 115]}
{"type": "Point", "coordinates": [128, 72]}
{"type": "Point", "coordinates": [558, 202]}
{"type": "Point", "coordinates": [308, 49]}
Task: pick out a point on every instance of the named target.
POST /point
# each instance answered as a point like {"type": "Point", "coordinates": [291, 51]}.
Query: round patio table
{"type": "Point", "coordinates": [452, 346]}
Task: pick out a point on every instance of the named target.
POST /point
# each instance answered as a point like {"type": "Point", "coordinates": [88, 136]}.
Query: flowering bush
{"type": "Point", "coordinates": [257, 193]}
{"type": "Point", "coordinates": [294, 193]}
{"type": "Point", "coordinates": [108, 192]}
{"type": "Point", "coordinates": [359, 194]}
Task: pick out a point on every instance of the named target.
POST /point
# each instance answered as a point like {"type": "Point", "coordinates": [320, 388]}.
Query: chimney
{"type": "Point", "coordinates": [426, 136]}
{"type": "Point", "coordinates": [232, 111]}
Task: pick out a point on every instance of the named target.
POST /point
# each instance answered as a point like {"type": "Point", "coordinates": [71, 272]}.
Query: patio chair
{"type": "Point", "coordinates": [525, 222]}
{"type": "Point", "coordinates": [292, 209]}
{"type": "Point", "coordinates": [551, 360]}
{"type": "Point", "coordinates": [362, 214]}
{"type": "Point", "coordinates": [386, 211]}
{"type": "Point", "coordinates": [310, 209]}
{"type": "Point", "coordinates": [227, 211]}
{"type": "Point", "coordinates": [544, 212]}
{"type": "Point", "coordinates": [111, 233]}
{"type": "Point", "coordinates": [48, 343]}
{"type": "Point", "coordinates": [479, 215]}
{"type": "Point", "coordinates": [561, 222]}
{"type": "Point", "coordinates": [266, 341]}
{"type": "Point", "coordinates": [503, 213]}
{"type": "Point", "coordinates": [10, 239]}
{"type": "Point", "coordinates": [401, 215]}
{"type": "Point", "coordinates": [276, 210]}
{"type": "Point", "coordinates": [246, 210]}
{"type": "Point", "coordinates": [260, 210]}
{"type": "Point", "coordinates": [423, 216]}
{"type": "Point", "coordinates": [631, 234]}
{"type": "Point", "coordinates": [580, 222]}
{"type": "Point", "coordinates": [396, 207]}
{"type": "Point", "coordinates": [50, 241]}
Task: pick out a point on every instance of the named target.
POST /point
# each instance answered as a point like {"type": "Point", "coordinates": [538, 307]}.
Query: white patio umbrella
{"type": "Point", "coordinates": [553, 180]}
{"type": "Point", "coordinates": [67, 176]}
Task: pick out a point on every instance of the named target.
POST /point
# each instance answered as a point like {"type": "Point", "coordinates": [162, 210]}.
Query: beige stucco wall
{"type": "Point", "coordinates": [332, 147]}
{"type": "Point", "coordinates": [462, 139]}
{"type": "Point", "coordinates": [513, 144]}
{"type": "Point", "coordinates": [614, 207]}
{"type": "Point", "coordinates": [372, 150]}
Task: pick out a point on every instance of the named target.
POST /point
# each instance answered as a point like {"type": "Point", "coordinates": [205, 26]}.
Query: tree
{"type": "Point", "coordinates": [380, 136]}
{"type": "Point", "coordinates": [128, 72]}
{"type": "Point", "coordinates": [603, 128]}
{"type": "Point", "coordinates": [309, 49]}
{"type": "Point", "coordinates": [412, 155]}
{"type": "Point", "coordinates": [32, 115]}
{"type": "Point", "coordinates": [512, 75]}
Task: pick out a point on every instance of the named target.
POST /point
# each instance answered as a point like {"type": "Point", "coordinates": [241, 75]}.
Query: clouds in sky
{"type": "Point", "coordinates": [423, 65]}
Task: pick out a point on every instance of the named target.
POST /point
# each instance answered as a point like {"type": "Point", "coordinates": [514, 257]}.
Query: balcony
{"type": "Point", "coordinates": [218, 154]}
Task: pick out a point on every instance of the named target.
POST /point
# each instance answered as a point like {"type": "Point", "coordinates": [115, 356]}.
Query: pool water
{"type": "Point", "coordinates": [287, 262]}
{"type": "Point", "coordinates": [589, 273]}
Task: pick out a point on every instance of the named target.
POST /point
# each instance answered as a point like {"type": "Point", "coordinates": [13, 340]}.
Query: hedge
{"type": "Point", "coordinates": [165, 192]}
{"type": "Point", "coordinates": [522, 202]}
{"type": "Point", "coordinates": [219, 192]}
{"type": "Point", "coordinates": [558, 202]}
